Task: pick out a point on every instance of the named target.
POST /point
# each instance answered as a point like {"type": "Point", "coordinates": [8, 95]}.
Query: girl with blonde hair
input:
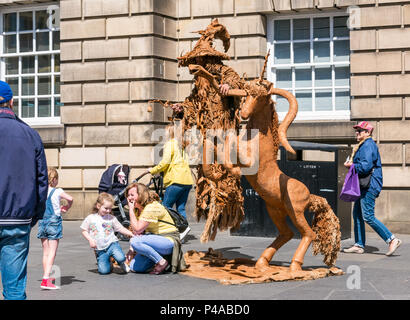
{"type": "Point", "coordinates": [50, 228]}
{"type": "Point", "coordinates": [99, 229]}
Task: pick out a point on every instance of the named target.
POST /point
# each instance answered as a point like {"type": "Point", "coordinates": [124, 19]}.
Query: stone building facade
{"type": "Point", "coordinates": [116, 55]}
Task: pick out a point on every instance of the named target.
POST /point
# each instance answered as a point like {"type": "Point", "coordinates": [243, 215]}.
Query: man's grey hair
{"type": "Point", "coordinates": [6, 104]}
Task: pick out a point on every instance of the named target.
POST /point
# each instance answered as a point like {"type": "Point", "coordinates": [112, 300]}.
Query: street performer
{"type": "Point", "coordinates": [219, 194]}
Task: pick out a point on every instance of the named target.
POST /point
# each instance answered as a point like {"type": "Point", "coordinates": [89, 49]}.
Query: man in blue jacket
{"type": "Point", "coordinates": [23, 194]}
{"type": "Point", "coordinates": [367, 162]}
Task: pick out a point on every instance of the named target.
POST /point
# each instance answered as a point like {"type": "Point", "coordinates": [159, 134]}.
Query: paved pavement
{"type": "Point", "coordinates": [368, 276]}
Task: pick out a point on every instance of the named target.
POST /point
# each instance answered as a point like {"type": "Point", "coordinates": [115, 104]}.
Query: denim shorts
{"type": "Point", "coordinates": [51, 228]}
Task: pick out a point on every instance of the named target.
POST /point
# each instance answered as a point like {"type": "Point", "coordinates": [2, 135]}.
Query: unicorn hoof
{"type": "Point", "coordinates": [262, 264]}
{"type": "Point", "coordinates": [295, 266]}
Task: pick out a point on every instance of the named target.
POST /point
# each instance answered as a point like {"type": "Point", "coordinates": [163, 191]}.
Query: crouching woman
{"type": "Point", "coordinates": [156, 235]}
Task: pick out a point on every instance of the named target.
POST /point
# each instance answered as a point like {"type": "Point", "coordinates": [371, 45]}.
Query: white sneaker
{"type": "Point", "coordinates": [183, 234]}
{"type": "Point", "coordinates": [125, 267]}
{"type": "Point", "coordinates": [354, 249]}
{"type": "Point", "coordinates": [395, 245]}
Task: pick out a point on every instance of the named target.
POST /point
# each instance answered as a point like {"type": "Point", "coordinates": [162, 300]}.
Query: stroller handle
{"type": "Point", "coordinates": [142, 175]}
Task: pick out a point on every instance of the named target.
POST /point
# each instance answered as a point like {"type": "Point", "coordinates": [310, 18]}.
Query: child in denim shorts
{"type": "Point", "coordinates": [50, 228]}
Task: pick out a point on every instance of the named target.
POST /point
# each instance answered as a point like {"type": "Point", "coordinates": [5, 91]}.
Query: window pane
{"type": "Point", "coordinates": [301, 29]}
{"type": "Point", "coordinates": [304, 100]}
{"type": "Point", "coordinates": [12, 65]}
{"type": "Point", "coordinates": [284, 78]}
{"type": "Point", "coordinates": [27, 64]}
{"type": "Point", "coordinates": [340, 27]}
{"type": "Point", "coordinates": [57, 105]}
{"type": "Point", "coordinates": [282, 30]}
{"type": "Point", "coordinates": [342, 76]}
{"type": "Point", "coordinates": [57, 63]}
{"type": "Point", "coordinates": [42, 42]}
{"type": "Point", "coordinates": [342, 100]}
{"type": "Point", "coordinates": [44, 85]}
{"type": "Point", "coordinates": [26, 21]}
{"type": "Point", "coordinates": [10, 22]}
{"type": "Point", "coordinates": [14, 85]}
{"type": "Point", "coordinates": [301, 52]}
{"type": "Point", "coordinates": [282, 53]}
{"type": "Point", "coordinates": [321, 51]}
{"type": "Point", "coordinates": [44, 107]}
{"type": "Point", "coordinates": [41, 19]}
{"type": "Point", "coordinates": [341, 50]}
{"type": "Point", "coordinates": [27, 108]}
{"type": "Point", "coordinates": [10, 44]}
{"type": "Point", "coordinates": [56, 40]}
{"type": "Point", "coordinates": [26, 42]}
{"type": "Point", "coordinates": [57, 85]}
{"type": "Point", "coordinates": [27, 86]}
{"type": "Point", "coordinates": [282, 104]}
{"type": "Point", "coordinates": [16, 108]}
{"type": "Point", "coordinates": [303, 78]}
{"type": "Point", "coordinates": [44, 63]}
{"type": "Point", "coordinates": [323, 100]}
{"type": "Point", "coordinates": [321, 28]}
{"type": "Point", "coordinates": [323, 77]}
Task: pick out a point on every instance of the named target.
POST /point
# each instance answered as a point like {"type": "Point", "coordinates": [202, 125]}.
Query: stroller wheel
{"type": "Point", "coordinates": [120, 236]}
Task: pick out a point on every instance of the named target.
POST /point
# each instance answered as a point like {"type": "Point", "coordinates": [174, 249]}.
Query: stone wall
{"type": "Point", "coordinates": [116, 55]}
{"type": "Point", "coordinates": [380, 85]}
{"type": "Point", "coordinates": [380, 80]}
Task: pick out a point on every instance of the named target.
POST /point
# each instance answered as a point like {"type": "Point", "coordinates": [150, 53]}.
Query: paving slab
{"type": "Point", "coordinates": [378, 276]}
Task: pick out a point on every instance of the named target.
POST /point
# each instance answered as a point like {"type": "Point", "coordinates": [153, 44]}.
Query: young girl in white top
{"type": "Point", "coordinates": [98, 228]}
{"type": "Point", "coordinates": [50, 228]}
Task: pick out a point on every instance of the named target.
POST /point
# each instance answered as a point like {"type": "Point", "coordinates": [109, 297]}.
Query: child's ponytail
{"type": "Point", "coordinates": [52, 174]}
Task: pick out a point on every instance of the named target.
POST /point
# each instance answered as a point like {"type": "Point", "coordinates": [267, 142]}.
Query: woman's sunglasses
{"type": "Point", "coordinates": [360, 130]}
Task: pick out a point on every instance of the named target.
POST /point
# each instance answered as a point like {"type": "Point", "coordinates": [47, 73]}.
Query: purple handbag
{"type": "Point", "coordinates": [351, 188]}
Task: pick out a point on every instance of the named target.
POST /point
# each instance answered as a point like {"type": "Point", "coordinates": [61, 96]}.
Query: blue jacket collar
{"type": "Point", "coordinates": [7, 113]}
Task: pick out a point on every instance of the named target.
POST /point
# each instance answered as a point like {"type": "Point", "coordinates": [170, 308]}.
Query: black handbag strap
{"type": "Point", "coordinates": [172, 224]}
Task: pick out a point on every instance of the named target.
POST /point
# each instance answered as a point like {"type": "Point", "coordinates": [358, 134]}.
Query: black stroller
{"type": "Point", "coordinates": [114, 181]}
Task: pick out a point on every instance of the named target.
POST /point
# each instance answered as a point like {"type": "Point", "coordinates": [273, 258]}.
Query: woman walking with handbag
{"type": "Point", "coordinates": [367, 162]}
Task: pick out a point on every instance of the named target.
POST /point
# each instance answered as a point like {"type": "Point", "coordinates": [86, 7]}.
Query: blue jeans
{"type": "Point", "coordinates": [149, 248]}
{"type": "Point", "coordinates": [177, 194]}
{"type": "Point", "coordinates": [14, 246]}
{"type": "Point", "coordinates": [103, 257]}
{"type": "Point", "coordinates": [363, 211]}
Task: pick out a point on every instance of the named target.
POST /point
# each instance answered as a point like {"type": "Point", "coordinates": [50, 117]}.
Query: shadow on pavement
{"type": "Point", "coordinates": [370, 249]}
{"type": "Point", "coordinates": [66, 280]}
{"type": "Point", "coordinates": [229, 253]}
{"type": "Point", "coordinates": [93, 271]}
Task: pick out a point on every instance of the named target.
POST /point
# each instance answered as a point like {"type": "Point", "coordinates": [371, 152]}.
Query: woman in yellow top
{"type": "Point", "coordinates": [177, 175]}
{"type": "Point", "coordinates": [155, 233]}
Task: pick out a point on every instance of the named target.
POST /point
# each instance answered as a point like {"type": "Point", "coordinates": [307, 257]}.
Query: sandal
{"type": "Point", "coordinates": [159, 268]}
{"type": "Point", "coordinates": [395, 245]}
